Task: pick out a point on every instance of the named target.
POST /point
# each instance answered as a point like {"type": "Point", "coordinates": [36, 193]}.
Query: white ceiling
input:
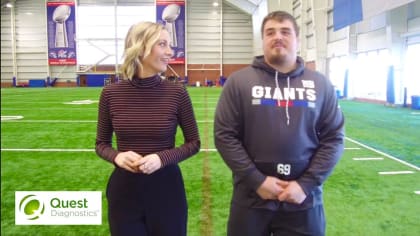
{"type": "Point", "coordinates": [247, 6]}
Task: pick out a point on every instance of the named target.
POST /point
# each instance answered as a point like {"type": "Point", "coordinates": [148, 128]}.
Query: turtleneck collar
{"type": "Point", "coordinates": [148, 82]}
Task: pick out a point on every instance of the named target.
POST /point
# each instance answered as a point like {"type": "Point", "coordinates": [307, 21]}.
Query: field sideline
{"type": "Point", "coordinates": [47, 144]}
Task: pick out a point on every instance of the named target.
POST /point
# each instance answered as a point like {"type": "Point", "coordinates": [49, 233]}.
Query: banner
{"type": "Point", "coordinates": [172, 15]}
{"type": "Point", "coordinates": [347, 12]}
{"type": "Point", "coordinates": [61, 29]}
{"type": "Point", "coordinates": [58, 207]}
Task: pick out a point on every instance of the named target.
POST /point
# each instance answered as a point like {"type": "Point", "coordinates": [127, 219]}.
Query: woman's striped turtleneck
{"type": "Point", "coordinates": [144, 115]}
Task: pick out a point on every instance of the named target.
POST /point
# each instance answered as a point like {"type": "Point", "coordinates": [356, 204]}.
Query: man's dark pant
{"type": "Point", "coordinates": [245, 221]}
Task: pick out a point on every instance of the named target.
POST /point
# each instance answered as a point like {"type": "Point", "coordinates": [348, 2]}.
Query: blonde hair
{"type": "Point", "coordinates": [140, 39]}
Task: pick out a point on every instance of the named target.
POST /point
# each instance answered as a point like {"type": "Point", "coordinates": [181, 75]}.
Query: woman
{"type": "Point", "coordinates": [145, 192]}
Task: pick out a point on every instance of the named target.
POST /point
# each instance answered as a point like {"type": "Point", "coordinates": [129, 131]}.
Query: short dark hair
{"type": "Point", "coordinates": [280, 16]}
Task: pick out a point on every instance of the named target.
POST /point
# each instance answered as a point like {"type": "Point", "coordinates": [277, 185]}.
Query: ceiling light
{"type": "Point", "coordinates": [215, 4]}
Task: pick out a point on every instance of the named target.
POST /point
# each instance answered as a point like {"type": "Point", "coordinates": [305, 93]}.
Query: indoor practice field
{"type": "Point", "coordinates": [47, 144]}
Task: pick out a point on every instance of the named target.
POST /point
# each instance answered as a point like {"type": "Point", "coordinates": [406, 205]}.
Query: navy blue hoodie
{"type": "Point", "coordinates": [289, 126]}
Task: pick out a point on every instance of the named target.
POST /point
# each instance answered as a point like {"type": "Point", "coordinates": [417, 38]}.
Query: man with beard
{"type": "Point", "coordinates": [280, 130]}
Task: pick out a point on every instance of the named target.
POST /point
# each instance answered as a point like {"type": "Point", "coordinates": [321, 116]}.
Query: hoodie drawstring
{"type": "Point", "coordinates": [287, 99]}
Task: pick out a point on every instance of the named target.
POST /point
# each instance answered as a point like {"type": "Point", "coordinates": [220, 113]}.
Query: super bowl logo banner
{"type": "Point", "coordinates": [58, 207]}
{"type": "Point", "coordinates": [172, 15]}
{"type": "Point", "coordinates": [61, 29]}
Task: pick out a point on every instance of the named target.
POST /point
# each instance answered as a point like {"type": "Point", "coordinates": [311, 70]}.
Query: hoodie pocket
{"type": "Point", "coordinates": [286, 170]}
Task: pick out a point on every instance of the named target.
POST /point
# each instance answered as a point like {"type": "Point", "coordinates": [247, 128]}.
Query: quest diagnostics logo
{"type": "Point", "coordinates": [31, 207]}
{"type": "Point", "coordinates": [58, 207]}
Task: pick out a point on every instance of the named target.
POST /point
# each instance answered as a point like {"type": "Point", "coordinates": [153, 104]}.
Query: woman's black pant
{"type": "Point", "coordinates": [149, 205]}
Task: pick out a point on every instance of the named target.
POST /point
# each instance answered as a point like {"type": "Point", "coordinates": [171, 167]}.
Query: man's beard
{"type": "Point", "coordinates": [277, 59]}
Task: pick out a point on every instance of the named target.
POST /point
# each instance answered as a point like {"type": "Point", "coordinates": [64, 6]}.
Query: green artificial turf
{"type": "Point", "coordinates": [52, 149]}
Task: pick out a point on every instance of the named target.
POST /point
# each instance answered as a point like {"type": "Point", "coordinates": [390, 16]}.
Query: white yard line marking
{"type": "Point", "coordinates": [384, 154]}
{"type": "Point", "coordinates": [205, 121]}
{"type": "Point", "coordinates": [417, 192]}
{"type": "Point", "coordinates": [47, 150]}
{"type": "Point", "coordinates": [352, 148]}
{"type": "Point", "coordinates": [204, 109]}
{"type": "Point", "coordinates": [52, 121]}
{"type": "Point", "coordinates": [209, 97]}
{"type": "Point", "coordinates": [403, 172]}
{"type": "Point", "coordinates": [70, 150]}
{"type": "Point", "coordinates": [74, 121]}
{"type": "Point", "coordinates": [34, 102]}
{"type": "Point", "coordinates": [368, 158]}
{"type": "Point", "coordinates": [208, 150]}
{"type": "Point", "coordinates": [3, 118]}
{"type": "Point", "coordinates": [50, 108]}
{"type": "Point", "coordinates": [80, 102]}
{"type": "Point", "coordinates": [214, 102]}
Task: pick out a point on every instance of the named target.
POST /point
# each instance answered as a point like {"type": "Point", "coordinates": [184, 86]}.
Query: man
{"type": "Point", "coordinates": [279, 128]}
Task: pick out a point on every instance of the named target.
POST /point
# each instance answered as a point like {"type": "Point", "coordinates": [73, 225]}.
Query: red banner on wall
{"type": "Point", "coordinates": [172, 15]}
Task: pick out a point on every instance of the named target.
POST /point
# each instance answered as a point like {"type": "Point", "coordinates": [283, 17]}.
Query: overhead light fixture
{"type": "Point", "coordinates": [215, 4]}
{"type": "Point", "coordinates": [7, 5]}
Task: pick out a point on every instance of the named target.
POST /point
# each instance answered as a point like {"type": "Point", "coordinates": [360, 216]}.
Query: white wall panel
{"type": "Point", "coordinates": [32, 69]}
{"type": "Point", "coordinates": [28, 56]}
{"type": "Point", "coordinates": [237, 36]}
{"type": "Point", "coordinates": [32, 45]}
{"type": "Point", "coordinates": [337, 35]}
{"type": "Point", "coordinates": [5, 24]}
{"type": "Point", "coordinates": [31, 39]}
{"type": "Point", "coordinates": [6, 58]}
{"type": "Point", "coordinates": [257, 19]}
{"type": "Point", "coordinates": [39, 64]}
{"type": "Point", "coordinates": [310, 55]}
{"type": "Point", "coordinates": [203, 32]}
{"type": "Point", "coordinates": [338, 48]}
{"type": "Point", "coordinates": [413, 25]}
{"type": "Point", "coordinates": [210, 55]}
{"type": "Point", "coordinates": [28, 74]}
{"type": "Point", "coordinates": [237, 30]}
{"type": "Point", "coordinates": [237, 43]}
{"type": "Point", "coordinates": [206, 31]}
{"type": "Point", "coordinates": [372, 24]}
{"type": "Point", "coordinates": [414, 9]}
{"type": "Point", "coordinates": [6, 46]}
{"type": "Point", "coordinates": [193, 36]}
{"type": "Point", "coordinates": [372, 41]}
{"type": "Point", "coordinates": [7, 69]}
{"type": "Point", "coordinates": [198, 43]}
{"type": "Point", "coordinates": [413, 28]}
